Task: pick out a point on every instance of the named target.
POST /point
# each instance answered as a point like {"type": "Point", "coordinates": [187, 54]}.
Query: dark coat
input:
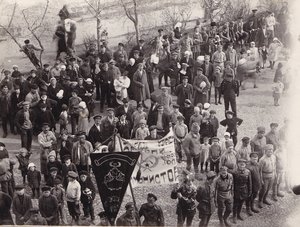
{"type": "Point", "coordinates": [124, 129]}
{"type": "Point", "coordinates": [186, 204]}
{"type": "Point", "coordinates": [205, 197]}
{"type": "Point", "coordinates": [56, 164]}
{"type": "Point", "coordinates": [87, 184]}
{"type": "Point", "coordinates": [153, 215]}
{"type": "Point", "coordinates": [50, 180]}
{"type": "Point", "coordinates": [120, 110]}
{"type": "Point", "coordinates": [165, 122]}
{"type": "Point", "coordinates": [183, 93]}
{"type": "Point", "coordinates": [44, 117]}
{"type": "Point", "coordinates": [123, 220]}
{"type": "Point", "coordinates": [5, 104]}
{"type": "Point", "coordinates": [21, 209]}
{"type": "Point", "coordinates": [34, 178]}
{"type": "Point", "coordinates": [230, 88]}
{"type": "Point", "coordinates": [255, 177]}
{"type": "Point", "coordinates": [14, 107]}
{"type": "Point", "coordinates": [187, 112]}
{"type": "Point", "coordinates": [232, 125]}
{"type": "Point", "coordinates": [19, 120]}
{"type": "Point", "coordinates": [49, 209]}
{"type": "Point", "coordinates": [107, 128]}
{"type": "Point", "coordinates": [151, 114]}
{"type": "Point", "coordinates": [209, 73]}
{"type": "Point", "coordinates": [94, 135]}
{"type": "Point", "coordinates": [261, 39]}
{"type": "Point", "coordinates": [65, 150]}
{"type": "Point", "coordinates": [65, 170]}
{"type": "Point", "coordinates": [242, 184]}
{"type": "Point", "coordinates": [5, 204]}
{"type": "Point", "coordinates": [206, 130]}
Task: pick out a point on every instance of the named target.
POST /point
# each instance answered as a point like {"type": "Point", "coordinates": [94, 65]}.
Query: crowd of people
{"type": "Point", "coordinates": [57, 104]}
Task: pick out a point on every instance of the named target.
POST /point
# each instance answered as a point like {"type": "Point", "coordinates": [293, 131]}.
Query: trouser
{"type": "Point", "coordinates": [26, 138]}
{"type": "Point", "coordinates": [74, 210]}
{"type": "Point", "coordinates": [277, 181]}
{"type": "Point", "coordinates": [218, 94]}
{"type": "Point", "coordinates": [62, 214]}
{"type": "Point", "coordinates": [6, 186]}
{"type": "Point", "coordinates": [185, 215]}
{"type": "Point", "coordinates": [163, 75]}
{"type": "Point", "coordinates": [224, 204]}
{"type": "Point", "coordinates": [272, 63]}
{"type": "Point", "coordinates": [35, 192]}
{"type": "Point", "coordinates": [251, 199]}
{"type": "Point", "coordinates": [97, 83]}
{"type": "Point", "coordinates": [105, 96]}
{"type": "Point", "coordinates": [206, 166]}
{"type": "Point", "coordinates": [214, 166]}
{"type": "Point", "coordinates": [88, 210]}
{"type": "Point", "coordinates": [74, 122]}
{"type": "Point", "coordinates": [209, 91]}
{"type": "Point", "coordinates": [266, 186]}
{"type": "Point", "coordinates": [204, 220]}
{"type": "Point", "coordinates": [276, 97]}
{"type": "Point", "coordinates": [178, 149]}
{"type": "Point", "coordinates": [232, 101]}
{"type": "Point", "coordinates": [237, 206]}
{"type": "Point", "coordinates": [5, 120]}
{"type": "Point", "coordinates": [24, 174]}
{"type": "Point", "coordinates": [234, 139]}
{"type": "Point", "coordinates": [195, 160]}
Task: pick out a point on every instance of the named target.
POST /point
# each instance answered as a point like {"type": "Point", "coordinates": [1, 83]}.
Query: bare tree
{"type": "Point", "coordinates": [175, 14]}
{"type": "Point", "coordinates": [213, 8]}
{"type": "Point", "coordinates": [35, 28]}
{"type": "Point", "coordinates": [95, 9]}
{"type": "Point", "coordinates": [131, 11]}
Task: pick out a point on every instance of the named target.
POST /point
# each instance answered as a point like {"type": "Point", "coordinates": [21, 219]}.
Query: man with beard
{"type": "Point", "coordinates": [95, 133]}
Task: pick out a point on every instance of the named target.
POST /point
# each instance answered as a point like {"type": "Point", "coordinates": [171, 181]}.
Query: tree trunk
{"type": "Point", "coordinates": [137, 31]}
{"type": "Point", "coordinates": [98, 33]}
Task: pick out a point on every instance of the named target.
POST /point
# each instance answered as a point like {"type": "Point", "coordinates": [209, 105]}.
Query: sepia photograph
{"type": "Point", "coordinates": [150, 113]}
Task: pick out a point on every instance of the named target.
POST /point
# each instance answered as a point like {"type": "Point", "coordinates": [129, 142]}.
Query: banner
{"type": "Point", "coordinates": [157, 164]}
{"type": "Point", "coordinates": [113, 172]}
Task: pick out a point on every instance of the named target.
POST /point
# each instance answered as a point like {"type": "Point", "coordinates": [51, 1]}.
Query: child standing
{"type": "Point", "coordinates": [59, 193]}
{"type": "Point", "coordinates": [277, 90]}
{"type": "Point", "coordinates": [74, 101]}
{"type": "Point", "coordinates": [66, 167]}
{"type": "Point", "coordinates": [23, 158]}
{"type": "Point", "coordinates": [34, 180]}
{"type": "Point", "coordinates": [214, 155]}
{"type": "Point", "coordinates": [142, 132]}
{"type": "Point", "coordinates": [218, 78]}
{"type": "Point", "coordinates": [214, 121]}
{"type": "Point", "coordinates": [83, 119]}
{"type": "Point", "coordinates": [204, 153]}
{"type": "Point", "coordinates": [180, 131]}
{"type": "Point", "coordinates": [63, 118]}
{"type": "Point", "coordinates": [264, 55]}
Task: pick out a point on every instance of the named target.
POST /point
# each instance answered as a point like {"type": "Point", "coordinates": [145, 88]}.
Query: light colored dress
{"type": "Point", "coordinates": [83, 121]}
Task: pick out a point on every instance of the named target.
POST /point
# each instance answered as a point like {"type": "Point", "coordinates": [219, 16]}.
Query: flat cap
{"type": "Point", "coordinates": [273, 125]}
{"type": "Point", "coordinates": [180, 117]}
{"type": "Point", "coordinates": [176, 106]}
{"type": "Point", "coordinates": [211, 174]}
{"type": "Point", "coordinates": [229, 144]}
{"type": "Point", "coordinates": [52, 169]}
{"type": "Point", "coordinates": [152, 127]}
{"type": "Point", "coordinates": [72, 174]}
{"type": "Point", "coordinates": [215, 138]}
{"type": "Point", "coordinates": [80, 133]}
{"type": "Point", "coordinates": [255, 154]}
{"type": "Point", "coordinates": [66, 157]}
{"type": "Point", "coordinates": [19, 187]}
{"type": "Point", "coordinates": [187, 101]}
{"type": "Point", "coordinates": [46, 188]}
{"type": "Point", "coordinates": [2, 144]}
{"type": "Point", "coordinates": [245, 139]}
{"type": "Point", "coordinates": [83, 172]}
{"type": "Point", "coordinates": [229, 112]}
{"type": "Point", "coordinates": [151, 195]}
{"type": "Point", "coordinates": [57, 181]}
{"type": "Point", "coordinates": [97, 116]}
{"type": "Point", "coordinates": [212, 112]}
{"type": "Point", "coordinates": [110, 109]}
{"type": "Point", "coordinates": [242, 160]}
{"type": "Point", "coordinates": [26, 103]}
{"type": "Point", "coordinates": [269, 147]}
{"type": "Point", "coordinates": [223, 168]}
{"type": "Point", "coordinates": [261, 129]}
{"type": "Point", "coordinates": [34, 86]}
{"type": "Point", "coordinates": [129, 205]}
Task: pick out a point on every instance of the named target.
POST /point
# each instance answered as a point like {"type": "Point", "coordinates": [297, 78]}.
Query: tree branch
{"type": "Point", "coordinates": [12, 15]}
{"type": "Point", "coordinates": [11, 35]}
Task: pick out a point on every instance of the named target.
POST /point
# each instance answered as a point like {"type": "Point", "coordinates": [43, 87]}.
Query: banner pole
{"type": "Point", "coordinates": [130, 185]}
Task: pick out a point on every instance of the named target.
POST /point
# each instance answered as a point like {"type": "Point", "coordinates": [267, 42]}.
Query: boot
{"type": "Point", "coordinates": [240, 217]}
{"type": "Point", "coordinates": [274, 196]}
{"type": "Point", "coordinates": [226, 222]}
{"type": "Point", "coordinates": [267, 202]}
{"type": "Point", "coordinates": [279, 193]}
{"type": "Point", "coordinates": [249, 211]}
{"type": "Point", "coordinates": [220, 216]}
{"type": "Point", "coordinates": [253, 209]}
{"type": "Point", "coordinates": [234, 219]}
{"type": "Point", "coordinates": [260, 204]}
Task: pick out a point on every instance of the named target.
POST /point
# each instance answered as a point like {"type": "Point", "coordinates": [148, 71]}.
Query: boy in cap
{"type": "Point", "coordinates": [59, 193]}
{"type": "Point", "coordinates": [21, 205]}
{"type": "Point", "coordinates": [153, 214]}
{"type": "Point", "coordinates": [142, 132]}
{"type": "Point", "coordinates": [258, 142]}
{"type": "Point", "coordinates": [35, 218]}
{"type": "Point", "coordinates": [267, 167]}
{"type": "Point", "coordinates": [242, 189]}
{"type": "Point", "coordinates": [130, 217]}
{"type": "Point", "coordinates": [88, 193]}
{"type": "Point", "coordinates": [244, 151]}
{"type": "Point", "coordinates": [205, 197]}
{"type": "Point", "coordinates": [186, 206]}
{"type": "Point", "coordinates": [48, 206]}
{"type": "Point", "coordinates": [34, 180]}
{"type": "Point", "coordinates": [214, 155]}
{"type": "Point", "coordinates": [214, 121]}
{"type": "Point", "coordinates": [23, 158]}
{"type": "Point", "coordinates": [256, 181]}
{"type": "Point", "coordinates": [180, 132]}
{"type": "Point", "coordinates": [229, 159]}
{"type": "Point", "coordinates": [73, 194]}
{"type": "Point", "coordinates": [224, 195]}
{"type": "Point", "coordinates": [192, 148]}
{"type": "Point", "coordinates": [108, 124]}
{"type": "Point", "coordinates": [66, 167]}
{"type": "Point", "coordinates": [232, 123]}
{"type": "Point", "coordinates": [175, 114]}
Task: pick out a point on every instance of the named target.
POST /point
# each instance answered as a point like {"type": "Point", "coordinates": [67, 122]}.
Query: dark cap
{"type": "Point", "coordinates": [72, 59]}
{"type": "Point", "coordinates": [185, 78]}
{"type": "Point", "coordinates": [97, 116]}
{"type": "Point", "coordinates": [46, 65]}
{"type": "Point", "coordinates": [83, 172]}
{"type": "Point", "coordinates": [152, 127]}
{"type": "Point", "coordinates": [43, 105]}
{"type": "Point", "coordinates": [136, 51]}
{"type": "Point", "coordinates": [246, 139]}
{"type": "Point", "coordinates": [19, 187]}
{"type": "Point", "coordinates": [125, 100]}
{"type": "Point", "coordinates": [45, 124]}
{"type": "Point", "coordinates": [255, 154]}
{"type": "Point", "coordinates": [261, 129]}
{"type": "Point", "coordinates": [52, 169]}
{"type": "Point", "coordinates": [213, 24]}
{"type": "Point", "coordinates": [160, 30]}
{"type": "Point", "coordinates": [215, 138]}
{"type": "Point", "coordinates": [80, 133]}
{"type": "Point", "coordinates": [176, 106]}
{"type": "Point", "coordinates": [242, 160]}
{"type": "Point", "coordinates": [34, 86]}
{"type": "Point", "coordinates": [46, 188]}
{"type": "Point", "coordinates": [57, 181]}
{"type": "Point", "coordinates": [129, 205]}
{"type": "Point", "coordinates": [102, 214]}
{"type": "Point", "coordinates": [187, 101]}
{"type": "Point", "coordinates": [273, 125]}
{"type": "Point", "coordinates": [110, 109]}
{"type": "Point", "coordinates": [121, 44]}
{"type": "Point", "coordinates": [26, 41]}
{"type": "Point", "coordinates": [2, 144]}
{"type": "Point", "coordinates": [66, 157]}
{"type": "Point", "coordinates": [139, 105]}
{"type": "Point", "coordinates": [151, 195]}
{"type": "Point", "coordinates": [254, 10]}
{"type": "Point", "coordinates": [210, 175]}
{"type": "Point", "coordinates": [180, 117]}
{"type": "Point", "coordinates": [212, 112]}
{"type": "Point", "coordinates": [229, 112]}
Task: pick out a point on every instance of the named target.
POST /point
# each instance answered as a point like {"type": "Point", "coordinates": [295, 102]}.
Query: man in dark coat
{"type": "Point", "coordinates": [187, 59]}
{"type": "Point", "coordinates": [16, 100]}
{"type": "Point", "coordinates": [152, 111]}
{"type": "Point", "coordinates": [162, 121]}
{"type": "Point", "coordinates": [242, 189]}
{"type": "Point", "coordinates": [230, 90]}
{"type": "Point", "coordinates": [48, 206]}
{"type": "Point", "coordinates": [44, 116]}
{"type": "Point", "coordinates": [95, 133]}
{"type": "Point", "coordinates": [24, 121]}
{"type": "Point", "coordinates": [205, 197]}
{"type": "Point", "coordinates": [103, 55]}
{"type": "Point", "coordinates": [5, 204]}
{"type": "Point", "coordinates": [184, 91]}
{"type": "Point", "coordinates": [5, 106]}
{"type": "Point", "coordinates": [139, 47]}
{"type": "Point", "coordinates": [21, 205]}
{"type": "Point", "coordinates": [108, 125]}
{"type": "Point", "coordinates": [153, 215]}
{"type": "Point", "coordinates": [256, 181]}
{"type": "Point", "coordinates": [208, 70]}
{"type": "Point", "coordinates": [106, 83]}
{"type": "Point", "coordinates": [261, 37]}
{"type": "Point", "coordinates": [130, 217]}
{"type": "Point", "coordinates": [187, 111]}
{"type": "Point", "coordinates": [124, 109]}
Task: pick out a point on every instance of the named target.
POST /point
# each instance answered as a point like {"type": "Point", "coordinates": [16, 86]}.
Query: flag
{"type": "Point", "coordinates": [157, 164]}
{"type": "Point", "coordinates": [113, 172]}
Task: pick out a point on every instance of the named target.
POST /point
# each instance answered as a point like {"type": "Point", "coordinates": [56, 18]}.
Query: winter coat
{"type": "Point", "coordinates": [34, 178]}
{"type": "Point", "coordinates": [87, 184]}
{"type": "Point", "coordinates": [21, 209]}
{"type": "Point", "coordinates": [205, 197]}
{"type": "Point", "coordinates": [5, 204]}
{"type": "Point", "coordinates": [140, 86]}
{"type": "Point", "coordinates": [49, 209]}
